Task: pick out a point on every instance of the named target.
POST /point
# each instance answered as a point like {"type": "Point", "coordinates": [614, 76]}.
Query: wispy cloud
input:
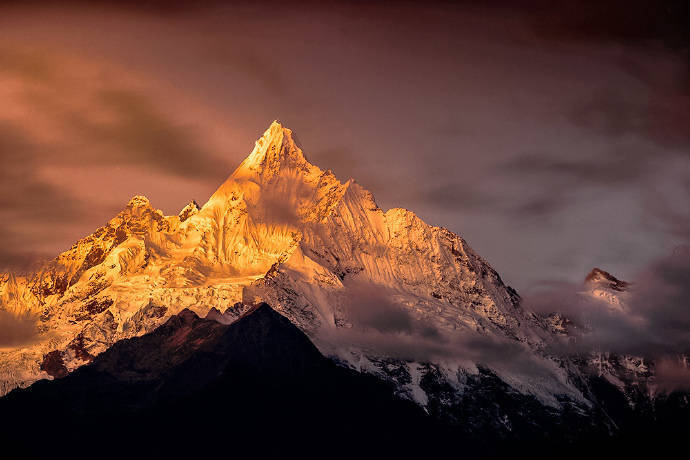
{"type": "Point", "coordinates": [653, 320]}
{"type": "Point", "coordinates": [16, 330]}
{"type": "Point", "coordinates": [380, 323]}
{"type": "Point", "coordinates": [60, 113]}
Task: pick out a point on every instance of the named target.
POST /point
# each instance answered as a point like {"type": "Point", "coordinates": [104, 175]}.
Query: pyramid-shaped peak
{"type": "Point", "coordinates": [276, 125]}
{"type": "Point", "coordinates": [604, 278]}
{"type": "Point", "coordinates": [274, 150]}
{"type": "Point", "coordinates": [276, 160]}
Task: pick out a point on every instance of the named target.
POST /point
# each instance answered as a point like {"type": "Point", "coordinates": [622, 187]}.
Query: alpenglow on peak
{"type": "Point", "coordinates": [282, 231]}
{"type": "Point", "coordinates": [273, 151]}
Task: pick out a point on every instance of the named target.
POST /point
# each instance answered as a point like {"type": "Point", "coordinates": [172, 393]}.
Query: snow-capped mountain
{"type": "Point", "coordinates": [379, 291]}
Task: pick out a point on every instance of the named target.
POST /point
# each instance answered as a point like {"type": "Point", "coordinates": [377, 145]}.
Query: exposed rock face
{"type": "Point", "coordinates": [189, 210]}
{"type": "Point", "coordinates": [53, 364]}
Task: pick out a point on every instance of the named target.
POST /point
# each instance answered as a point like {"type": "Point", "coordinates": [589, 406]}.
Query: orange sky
{"type": "Point", "coordinates": [550, 148]}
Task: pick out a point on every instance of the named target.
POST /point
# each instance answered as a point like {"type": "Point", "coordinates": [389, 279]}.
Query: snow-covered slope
{"type": "Point", "coordinates": [320, 251]}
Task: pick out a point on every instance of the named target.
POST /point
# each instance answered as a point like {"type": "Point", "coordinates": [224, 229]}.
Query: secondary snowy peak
{"type": "Point", "coordinates": [604, 279]}
{"type": "Point", "coordinates": [604, 286]}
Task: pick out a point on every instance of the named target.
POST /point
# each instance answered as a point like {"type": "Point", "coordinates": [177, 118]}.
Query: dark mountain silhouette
{"type": "Point", "coordinates": [196, 388]}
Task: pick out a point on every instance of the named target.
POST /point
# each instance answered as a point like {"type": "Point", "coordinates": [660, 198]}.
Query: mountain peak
{"type": "Point", "coordinates": [602, 277]}
{"type": "Point", "coordinates": [274, 150]}
{"type": "Point", "coordinates": [188, 315]}
{"type": "Point", "coordinates": [139, 201]}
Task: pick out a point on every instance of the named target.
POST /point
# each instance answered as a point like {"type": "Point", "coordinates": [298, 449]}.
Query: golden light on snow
{"type": "Point", "coordinates": [279, 230]}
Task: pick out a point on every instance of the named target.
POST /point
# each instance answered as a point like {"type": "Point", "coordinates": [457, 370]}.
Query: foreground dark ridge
{"type": "Point", "coordinates": [196, 386]}
{"type": "Point", "coordinates": [259, 386]}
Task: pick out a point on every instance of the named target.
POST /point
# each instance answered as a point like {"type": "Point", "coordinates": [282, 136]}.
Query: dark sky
{"type": "Point", "coordinates": [552, 138]}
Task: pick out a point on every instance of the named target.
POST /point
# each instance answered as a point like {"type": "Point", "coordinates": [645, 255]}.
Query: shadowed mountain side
{"type": "Point", "coordinates": [197, 386]}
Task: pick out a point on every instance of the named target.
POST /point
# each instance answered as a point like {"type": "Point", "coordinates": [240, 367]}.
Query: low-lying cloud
{"type": "Point", "coordinates": [380, 323]}
{"type": "Point", "coordinates": [652, 319]}
{"type": "Point", "coordinates": [372, 307]}
{"type": "Point", "coordinates": [16, 330]}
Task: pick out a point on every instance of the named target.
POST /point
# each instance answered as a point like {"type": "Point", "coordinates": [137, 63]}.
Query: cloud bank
{"type": "Point", "coordinates": [652, 320]}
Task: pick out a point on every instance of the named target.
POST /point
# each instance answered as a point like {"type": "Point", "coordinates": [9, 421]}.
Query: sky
{"type": "Point", "coordinates": [554, 137]}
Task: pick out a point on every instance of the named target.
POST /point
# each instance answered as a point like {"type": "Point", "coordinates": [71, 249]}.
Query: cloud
{"type": "Point", "coordinates": [665, 205]}
{"type": "Point", "coordinates": [455, 196]}
{"type": "Point", "coordinates": [136, 132]}
{"type": "Point", "coordinates": [16, 330]}
{"type": "Point", "coordinates": [17, 252]}
{"type": "Point", "coordinates": [282, 202]}
{"type": "Point", "coordinates": [653, 320]}
{"type": "Point", "coordinates": [372, 307]}
{"type": "Point", "coordinates": [21, 192]}
{"type": "Point", "coordinates": [428, 344]}
{"type": "Point", "coordinates": [654, 114]}
{"type": "Point", "coordinates": [30, 208]}
{"type": "Point", "coordinates": [660, 301]}
{"type": "Point", "coordinates": [382, 324]}
{"type": "Point", "coordinates": [266, 71]}
{"type": "Point", "coordinates": [485, 84]}
{"type": "Point", "coordinates": [568, 178]}
{"type": "Point", "coordinates": [33, 66]}
{"type": "Point", "coordinates": [60, 112]}
{"type": "Point", "coordinates": [610, 168]}
{"type": "Point", "coordinates": [81, 113]}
